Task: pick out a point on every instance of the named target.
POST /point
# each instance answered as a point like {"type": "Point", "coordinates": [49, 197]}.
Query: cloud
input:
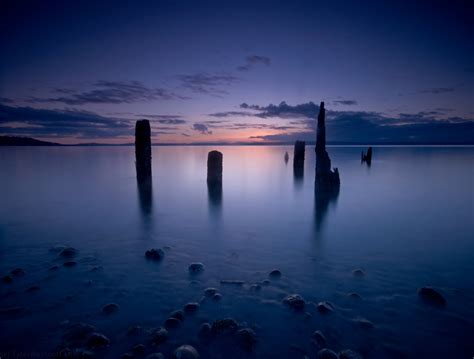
{"type": "Point", "coordinates": [231, 114]}
{"type": "Point", "coordinates": [345, 102]}
{"type": "Point", "coordinates": [5, 100]}
{"type": "Point", "coordinates": [283, 110]}
{"type": "Point", "coordinates": [209, 84]}
{"type": "Point", "coordinates": [438, 90]}
{"type": "Point", "coordinates": [110, 92]}
{"type": "Point", "coordinates": [202, 128]}
{"type": "Point", "coordinates": [254, 60]}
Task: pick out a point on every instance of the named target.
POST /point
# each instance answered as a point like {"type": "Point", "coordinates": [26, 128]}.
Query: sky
{"type": "Point", "coordinates": [237, 71]}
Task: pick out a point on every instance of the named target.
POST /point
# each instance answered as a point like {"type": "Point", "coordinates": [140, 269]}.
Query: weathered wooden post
{"type": "Point", "coordinates": [298, 156]}
{"type": "Point", "coordinates": [367, 157]}
{"type": "Point", "coordinates": [214, 167]}
{"type": "Point", "coordinates": [143, 149]}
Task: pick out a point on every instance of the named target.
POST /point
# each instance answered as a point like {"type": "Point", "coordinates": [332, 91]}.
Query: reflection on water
{"type": "Point", "coordinates": [323, 198]}
{"type": "Point", "coordinates": [214, 192]}
{"type": "Point", "coordinates": [145, 195]}
{"type": "Point", "coordinates": [298, 176]}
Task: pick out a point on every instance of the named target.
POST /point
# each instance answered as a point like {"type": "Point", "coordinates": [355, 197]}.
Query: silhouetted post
{"type": "Point", "coordinates": [367, 157]}
{"type": "Point", "coordinates": [298, 157]}
{"type": "Point", "coordinates": [143, 149]}
{"type": "Point", "coordinates": [214, 167]}
{"type": "Point", "coordinates": [325, 178]}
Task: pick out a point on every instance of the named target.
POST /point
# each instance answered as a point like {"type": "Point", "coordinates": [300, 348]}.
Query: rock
{"type": "Point", "coordinates": [204, 331]}
{"type": "Point", "coordinates": [224, 326]}
{"type": "Point", "coordinates": [319, 338]}
{"type": "Point", "coordinates": [110, 308]}
{"type": "Point", "coordinates": [155, 356]}
{"type": "Point", "coordinates": [177, 314]}
{"type": "Point", "coordinates": [255, 287]}
{"type": "Point", "coordinates": [172, 323]}
{"type": "Point", "coordinates": [160, 336]}
{"type": "Point", "coordinates": [17, 272]}
{"type": "Point", "coordinates": [97, 340]}
{"type": "Point", "coordinates": [139, 349]}
{"type": "Point", "coordinates": [186, 352]}
{"type": "Point", "coordinates": [364, 323]}
{"type": "Point", "coordinates": [128, 356]}
{"type": "Point", "coordinates": [33, 288]}
{"type": "Point", "coordinates": [209, 292]}
{"type": "Point", "coordinates": [192, 307]}
{"type": "Point", "coordinates": [325, 307]}
{"type": "Point", "coordinates": [68, 252]}
{"type": "Point", "coordinates": [266, 282]}
{"type": "Point", "coordinates": [54, 268]}
{"type": "Point", "coordinates": [7, 279]}
{"type": "Point", "coordinates": [246, 338]}
{"type": "Point", "coordinates": [354, 295]}
{"type": "Point", "coordinates": [294, 301]}
{"type": "Point", "coordinates": [326, 354]}
{"type": "Point", "coordinates": [431, 296]}
{"type": "Point", "coordinates": [216, 297]}
{"type": "Point", "coordinates": [154, 254]}
{"type": "Point", "coordinates": [195, 268]}
{"type": "Point", "coordinates": [70, 264]}
{"type": "Point", "coordinates": [134, 330]}
{"type": "Point", "coordinates": [275, 274]}
{"type": "Point", "coordinates": [358, 272]}
{"type": "Point", "coordinates": [77, 333]}
{"type": "Point", "coordinates": [214, 167]}
{"type": "Point", "coordinates": [349, 354]}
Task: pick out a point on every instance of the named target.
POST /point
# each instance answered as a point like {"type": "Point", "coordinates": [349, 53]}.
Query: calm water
{"type": "Point", "coordinates": [408, 221]}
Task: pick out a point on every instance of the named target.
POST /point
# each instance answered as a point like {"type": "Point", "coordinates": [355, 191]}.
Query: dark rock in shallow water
{"type": "Point", "coordinates": [128, 356]}
{"type": "Point", "coordinates": [325, 307]}
{"type": "Point", "coordinates": [275, 274]}
{"type": "Point", "coordinates": [110, 308]}
{"type": "Point", "coordinates": [54, 268]}
{"type": "Point", "coordinates": [195, 268]}
{"type": "Point", "coordinates": [186, 352]}
{"type": "Point", "coordinates": [209, 292]}
{"type": "Point", "coordinates": [97, 340]}
{"type": "Point", "coordinates": [177, 314]}
{"type": "Point", "coordinates": [358, 273]}
{"type": "Point", "coordinates": [69, 264]}
{"type": "Point", "coordinates": [431, 296]}
{"type": "Point", "coordinates": [11, 312]}
{"type": "Point", "coordinates": [134, 330]}
{"type": "Point", "coordinates": [327, 354]}
{"type": "Point", "coordinates": [139, 349]}
{"type": "Point", "coordinates": [18, 272]}
{"type": "Point", "coordinates": [33, 288]}
{"type": "Point", "coordinates": [160, 336]}
{"type": "Point", "coordinates": [172, 323]}
{"type": "Point", "coordinates": [154, 254]}
{"type": "Point", "coordinates": [364, 323]}
{"type": "Point", "coordinates": [294, 301]}
{"type": "Point", "coordinates": [7, 279]}
{"type": "Point", "coordinates": [216, 297]}
{"type": "Point", "coordinates": [319, 338]}
{"type": "Point", "coordinates": [204, 332]}
{"type": "Point", "coordinates": [68, 252]}
{"type": "Point", "coordinates": [349, 354]}
{"type": "Point", "coordinates": [354, 295]}
{"type": "Point", "coordinates": [77, 333]}
{"type": "Point", "coordinates": [246, 338]}
{"type": "Point", "coordinates": [192, 307]}
{"type": "Point", "coordinates": [224, 326]}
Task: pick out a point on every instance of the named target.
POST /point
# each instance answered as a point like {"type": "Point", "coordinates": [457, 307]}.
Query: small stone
{"type": "Point", "coordinates": [327, 354]}
{"type": "Point", "coordinates": [160, 336]}
{"type": "Point", "coordinates": [186, 352]}
{"type": "Point", "coordinates": [294, 301]}
{"type": "Point", "coordinates": [54, 268]}
{"type": "Point", "coordinates": [255, 287]}
{"type": "Point", "coordinates": [275, 274]}
{"type": "Point", "coordinates": [247, 338]}
{"type": "Point", "coordinates": [224, 326]}
{"type": "Point", "coordinates": [431, 296]}
{"type": "Point", "coordinates": [358, 272]}
{"type": "Point", "coordinates": [172, 323]}
{"type": "Point", "coordinates": [177, 314]}
{"type": "Point", "coordinates": [192, 307]}
{"type": "Point", "coordinates": [319, 338]}
{"type": "Point", "coordinates": [154, 254]}
{"type": "Point", "coordinates": [69, 264]}
{"type": "Point", "coordinates": [33, 288]}
{"type": "Point", "coordinates": [195, 268]}
{"type": "Point", "coordinates": [78, 332]}
{"type": "Point", "coordinates": [98, 340]}
{"type": "Point", "coordinates": [7, 279]}
{"type": "Point", "coordinates": [209, 292]}
{"type": "Point", "coordinates": [18, 272]}
{"type": "Point", "coordinates": [217, 297]}
{"type": "Point", "coordinates": [325, 307]}
{"type": "Point", "coordinates": [364, 323]}
{"type": "Point", "coordinates": [204, 331]}
{"type": "Point", "coordinates": [155, 356]}
{"type": "Point", "coordinates": [349, 354]}
{"type": "Point", "coordinates": [139, 349]}
{"type": "Point", "coordinates": [134, 330]}
{"type": "Point", "coordinates": [110, 308]}
{"type": "Point", "coordinates": [68, 252]}
{"type": "Point", "coordinates": [354, 295]}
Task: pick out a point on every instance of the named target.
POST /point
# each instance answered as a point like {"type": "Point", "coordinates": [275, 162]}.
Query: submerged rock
{"type": "Point", "coordinates": [18, 272]}
{"type": "Point", "coordinates": [160, 336]}
{"type": "Point", "coordinates": [325, 307]}
{"type": "Point", "coordinates": [364, 323]}
{"type": "Point", "coordinates": [354, 295]}
{"type": "Point", "coordinates": [70, 264]}
{"type": "Point", "coordinates": [232, 282]}
{"type": "Point", "coordinates": [275, 274]}
{"type": "Point", "coordinates": [224, 326]}
{"type": "Point", "coordinates": [195, 268]}
{"type": "Point", "coordinates": [177, 314]}
{"type": "Point", "coordinates": [155, 356]}
{"type": "Point", "coordinates": [186, 352]}
{"type": "Point", "coordinates": [68, 252]}
{"type": "Point", "coordinates": [319, 338]}
{"type": "Point", "coordinates": [349, 354]}
{"type": "Point", "coordinates": [358, 272]}
{"type": "Point", "coordinates": [7, 279]}
{"type": "Point", "coordinates": [246, 338]}
{"type": "Point", "coordinates": [172, 323]}
{"type": "Point", "coordinates": [216, 297]}
{"type": "Point", "coordinates": [327, 354]}
{"type": "Point", "coordinates": [204, 331]}
{"type": "Point", "coordinates": [11, 312]}
{"type": "Point", "coordinates": [54, 268]}
{"type": "Point", "coordinates": [97, 340]}
{"type": "Point", "coordinates": [77, 333]}
{"type": "Point", "coordinates": [294, 301]}
{"type": "Point", "coordinates": [110, 308]}
{"type": "Point", "coordinates": [134, 330]}
{"type": "Point", "coordinates": [192, 307]}
{"type": "Point", "coordinates": [33, 288]}
{"type": "Point", "coordinates": [209, 292]}
{"type": "Point", "coordinates": [139, 349]}
{"type": "Point", "coordinates": [154, 254]}
{"type": "Point", "coordinates": [431, 296]}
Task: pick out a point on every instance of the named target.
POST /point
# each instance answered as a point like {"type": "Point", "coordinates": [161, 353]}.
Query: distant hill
{"type": "Point", "coordinates": [24, 141]}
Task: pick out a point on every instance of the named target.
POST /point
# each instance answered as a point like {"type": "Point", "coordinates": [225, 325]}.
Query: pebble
{"type": "Point", "coordinates": [354, 295]}
{"type": "Point", "coordinates": [7, 279]}
{"type": "Point", "coordinates": [33, 288]}
{"type": "Point", "coordinates": [172, 323]}
{"type": "Point", "coordinates": [247, 338]}
{"type": "Point", "coordinates": [319, 338]}
{"type": "Point", "coordinates": [204, 331]}
{"type": "Point", "coordinates": [18, 272]}
{"type": "Point", "coordinates": [209, 292]}
{"type": "Point", "coordinates": [432, 296]}
{"type": "Point", "coordinates": [68, 252]}
{"type": "Point", "coordinates": [294, 301]}
{"type": "Point", "coordinates": [325, 307]}
{"type": "Point", "coordinates": [110, 308]}
{"type": "Point", "coordinates": [160, 336]}
{"type": "Point", "coordinates": [192, 307]}
{"type": "Point", "coordinates": [349, 354]}
{"type": "Point", "coordinates": [358, 272]}
{"type": "Point", "coordinates": [195, 268]}
{"type": "Point", "coordinates": [217, 297]}
{"type": "Point", "coordinates": [78, 332]}
{"type": "Point", "coordinates": [275, 274]}
{"type": "Point", "coordinates": [224, 326]}
{"type": "Point", "coordinates": [364, 323]}
{"type": "Point", "coordinates": [326, 354]}
{"type": "Point", "coordinates": [139, 349]}
{"type": "Point", "coordinates": [134, 330]}
{"type": "Point", "coordinates": [97, 340]}
{"type": "Point", "coordinates": [154, 254]}
{"type": "Point", "coordinates": [177, 314]}
{"type": "Point", "coordinates": [128, 356]}
{"type": "Point", "coordinates": [186, 352]}
{"type": "Point", "coordinates": [69, 264]}
{"type": "Point", "coordinates": [54, 268]}
{"type": "Point", "coordinates": [155, 356]}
